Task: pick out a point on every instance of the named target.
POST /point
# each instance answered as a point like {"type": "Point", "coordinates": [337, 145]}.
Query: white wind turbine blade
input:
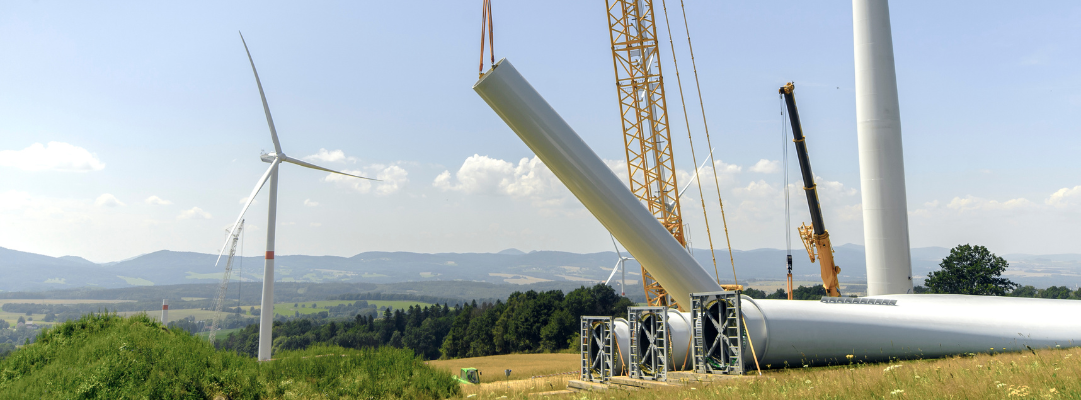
{"type": "Point", "coordinates": [614, 270]}
{"type": "Point", "coordinates": [313, 166]}
{"type": "Point", "coordinates": [251, 198]}
{"type": "Point", "coordinates": [688, 185]}
{"type": "Point", "coordinates": [266, 108]}
{"type": "Point", "coordinates": [618, 254]}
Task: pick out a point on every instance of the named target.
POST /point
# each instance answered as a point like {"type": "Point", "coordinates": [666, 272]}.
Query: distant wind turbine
{"type": "Point", "coordinates": [619, 267]}
{"type": "Point", "coordinates": [266, 316]}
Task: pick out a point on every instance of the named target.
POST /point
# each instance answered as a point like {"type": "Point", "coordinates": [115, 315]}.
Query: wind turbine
{"type": "Point", "coordinates": [266, 315]}
{"type": "Point", "coordinates": [619, 267]}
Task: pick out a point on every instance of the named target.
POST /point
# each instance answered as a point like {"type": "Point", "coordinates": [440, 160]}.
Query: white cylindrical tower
{"type": "Point", "coordinates": [164, 311]}
{"type": "Point", "coordinates": [882, 166]}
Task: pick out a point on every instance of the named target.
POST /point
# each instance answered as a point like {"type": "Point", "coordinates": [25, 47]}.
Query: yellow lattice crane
{"type": "Point", "coordinates": [644, 115]}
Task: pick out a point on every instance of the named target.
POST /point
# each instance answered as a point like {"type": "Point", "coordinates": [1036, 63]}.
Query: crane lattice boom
{"type": "Point", "coordinates": [644, 114]}
{"type": "Point", "coordinates": [219, 305]}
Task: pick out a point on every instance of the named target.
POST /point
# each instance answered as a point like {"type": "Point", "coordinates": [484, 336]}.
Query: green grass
{"type": "Point", "coordinates": [108, 356]}
{"type": "Point", "coordinates": [222, 333]}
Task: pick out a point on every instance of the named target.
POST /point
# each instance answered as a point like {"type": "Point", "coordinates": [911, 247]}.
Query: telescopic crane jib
{"type": "Point", "coordinates": [815, 237]}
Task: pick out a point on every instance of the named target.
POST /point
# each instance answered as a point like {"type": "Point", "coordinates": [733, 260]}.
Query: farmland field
{"type": "Point", "coordinates": [522, 366]}
{"type": "Point", "coordinates": [12, 318]}
{"type": "Point", "coordinates": [176, 314]}
{"type": "Point", "coordinates": [1037, 374]}
{"type": "Point", "coordinates": [288, 309]}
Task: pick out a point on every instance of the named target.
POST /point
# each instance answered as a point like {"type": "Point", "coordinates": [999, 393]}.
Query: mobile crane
{"type": "Point", "coordinates": [815, 237]}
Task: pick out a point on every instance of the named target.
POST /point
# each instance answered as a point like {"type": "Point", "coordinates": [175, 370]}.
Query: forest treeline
{"type": "Point", "coordinates": [526, 322]}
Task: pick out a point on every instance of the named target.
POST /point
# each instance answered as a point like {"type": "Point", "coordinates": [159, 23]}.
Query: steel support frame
{"type": "Point", "coordinates": [720, 313]}
{"type": "Point", "coordinates": [596, 347]}
{"type": "Point", "coordinates": [648, 325]}
{"type": "Point", "coordinates": [644, 115]}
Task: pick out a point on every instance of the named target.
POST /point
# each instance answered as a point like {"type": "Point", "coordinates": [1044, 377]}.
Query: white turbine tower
{"type": "Point", "coordinates": [266, 316]}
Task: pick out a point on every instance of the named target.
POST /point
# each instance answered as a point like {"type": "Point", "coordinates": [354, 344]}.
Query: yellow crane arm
{"type": "Point", "coordinates": [815, 237]}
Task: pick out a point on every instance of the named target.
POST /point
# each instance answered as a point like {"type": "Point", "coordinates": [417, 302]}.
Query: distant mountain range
{"type": "Point", "coordinates": [22, 271]}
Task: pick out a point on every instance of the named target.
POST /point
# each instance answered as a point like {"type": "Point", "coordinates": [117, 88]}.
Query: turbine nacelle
{"type": "Point", "coordinates": [268, 158]}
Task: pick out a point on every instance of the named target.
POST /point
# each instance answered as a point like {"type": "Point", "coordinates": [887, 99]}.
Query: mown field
{"type": "Point", "coordinates": [1040, 374]}
{"type": "Point", "coordinates": [522, 366]}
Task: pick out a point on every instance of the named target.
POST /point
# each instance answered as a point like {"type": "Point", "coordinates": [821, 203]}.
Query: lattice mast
{"type": "Point", "coordinates": [644, 115]}
{"type": "Point", "coordinates": [220, 301]}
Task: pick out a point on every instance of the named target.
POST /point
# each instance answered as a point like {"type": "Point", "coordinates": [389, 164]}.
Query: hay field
{"type": "Point", "coordinates": [1041, 374]}
{"type": "Point", "coordinates": [522, 366]}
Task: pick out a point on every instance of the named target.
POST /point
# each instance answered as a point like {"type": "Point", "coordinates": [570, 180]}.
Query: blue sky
{"type": "Point", "coordinates": [127, 128]}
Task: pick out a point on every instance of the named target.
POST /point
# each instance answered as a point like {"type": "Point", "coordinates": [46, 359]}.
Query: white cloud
{"type": "Point", "coordinates": [108, 200]}
{"type": "Point", "coordinates": [54, 156]}
{"type": "Point", "coordinates": [478, 174]}
{"type": "Point", "coordinates": [194, 213]}
{"type": "Point", "coordinates": [392, 178]}
{"type": "Point", "coordinates": [1065, 197]}
{"type": "Point", "coordinates": [726, 168]}
{"type": "Point", "coordinates": [832, 188]}
{"type": "Point", "coordinates": [155, 200]}
{"type": "Point", "coordinates": [529, 179]}
{"type": "Point", "coordinates": [244, 200]}
{"type": "Point", "coordinates": [330, 156]}
{"type": "Point", "coordinates": [765, 166]}
{"type": "Point", "coordinates": [970, 203]}
{"type": "Point", "coordinates": [310, 203]}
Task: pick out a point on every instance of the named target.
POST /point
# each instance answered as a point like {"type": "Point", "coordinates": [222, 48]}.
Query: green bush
{"type": "Point", "coordinates": [106, 356]}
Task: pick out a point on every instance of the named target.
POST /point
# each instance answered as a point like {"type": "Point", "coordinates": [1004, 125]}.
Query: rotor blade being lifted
{"type": "Point", "coordinates": [251, 198]}
{"type": "Point", "coordinates": [313, 166]}
{"type": "Point", "coordinates": [266, 108]}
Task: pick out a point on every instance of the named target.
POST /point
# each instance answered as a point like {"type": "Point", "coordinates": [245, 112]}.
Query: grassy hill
{"type": "Point", "coordinates": [107, 356]}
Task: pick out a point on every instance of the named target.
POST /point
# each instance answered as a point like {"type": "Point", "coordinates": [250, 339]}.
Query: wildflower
{"type": "Point", "coordinates": [892, 367]}
{"type": "Point", "coordinates": [807, 381]}
{"type": "Point", "coordinates": [850, 356]}
{"type": "Point", "coordinates": [917, 377]}
{"type": "Point", "coordinates": [897, 392]}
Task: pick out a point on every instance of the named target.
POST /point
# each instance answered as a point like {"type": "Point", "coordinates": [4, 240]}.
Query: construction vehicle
{"type": "Point", "coordinates": [469, 376]}
{"type": "Point", "coordinates": [815, 237]}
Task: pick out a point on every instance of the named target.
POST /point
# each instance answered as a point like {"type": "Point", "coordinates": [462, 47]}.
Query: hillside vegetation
{"type": "Point", "coordinates": [526, 322]}
{"type": "Point", "coordinates": [107, 356]}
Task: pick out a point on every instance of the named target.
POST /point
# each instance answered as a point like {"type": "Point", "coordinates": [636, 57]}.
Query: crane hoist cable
{"type": "Point", "coordinates": [705, 124]}
{"type": "Point", "coordinates": [787, 203]}
{"type": "Point", "coordinates": [486, 28]}
{"type": "Point", "coordinates": [694, 157]}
